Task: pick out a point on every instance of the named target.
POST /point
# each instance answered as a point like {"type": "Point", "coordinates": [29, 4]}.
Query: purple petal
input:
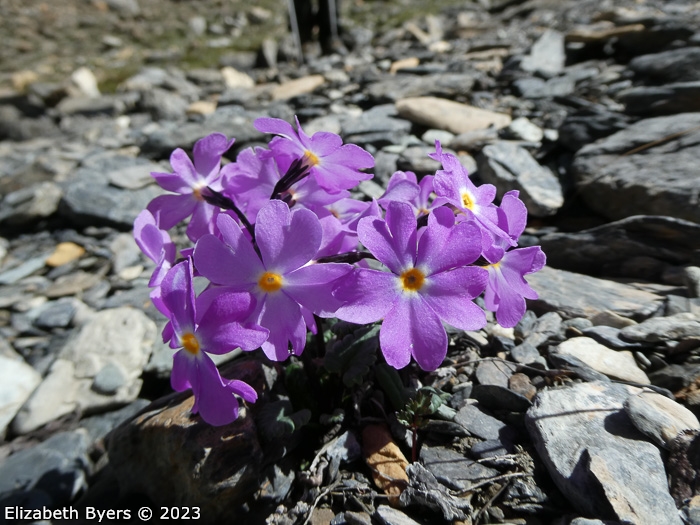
{"type": "Point", "coordinates": [214, 401]}
{"type": "Point", "coordinates": [282, 316]}
{"type": "Point", "coordinates": [203, 221]}
{"type": "Point", "coordinates": [450, 294]}
{"type": "Point", "coordinates": [312, 286]}
{"type": "Point", "coordinates": [323, 143]}
{"type": "Point", "coordinates": [410, 328]}
{"type": "Point", "coordinates": [276, 126]}
{"type": "Point", "coordinates": [172, 182]}
{"type": "Point", "coordinates": [445, 245]}
{"type": "Point", "coordinates": [177, 296]}
{"type": "Point", "coordinates": [402, 191]}
{"type": "Point", "coordinates": [168, 210]}
{"type": "Point", "coordinates": [183, 368]}
{"type": "Point", "coordinates": [244, 390]}
{"type": "Point", "coordinates": [183, 168]}
{"type": "Point", "coordinates": [207, 154]}
{"type": "Point", "coordinates": [287, 240]}
{"type": "Point", "coordinates": [221, 327]}
{"type": "Point", "coordinates": [514, 214]}
{"type": "Point", "coordinates": [368, 295]}
{"type": "Point", "coordinates": [232, 264]}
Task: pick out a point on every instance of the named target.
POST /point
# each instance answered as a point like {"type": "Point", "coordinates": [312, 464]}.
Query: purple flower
{"type": "Point", "coordinates": [507, 288]}
{"type": "Point", "coordinates": [453, 186]}
{"type": "Point", "coordinates": [429, 282]}
{"type": "Point", "coordinates": [404, 187]}
{"type": "Point", "coordinates": [155, 244]}
{"type": "Point", "coordinates": [288, 289]}
{"type": "Point", "coordinates": [334, 165]}
{"type": "Point", "coordinates": [187, 181]}
{"type": "Point", "coordinates": [211, 323]}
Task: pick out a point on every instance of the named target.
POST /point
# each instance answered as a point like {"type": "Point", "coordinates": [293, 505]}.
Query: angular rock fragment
{"type": "Point", "coordinates": [597, 457]}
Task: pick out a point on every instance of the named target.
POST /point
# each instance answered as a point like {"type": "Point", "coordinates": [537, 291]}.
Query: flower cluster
{"type": "Point", "coordinates": [281, 242]}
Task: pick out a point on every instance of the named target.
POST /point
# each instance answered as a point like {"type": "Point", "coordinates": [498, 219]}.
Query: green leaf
{"type": "Point", "coordinates": [390, 382]}
{"type": "Point", "coordinates": [352, 356]}
{"type": "Point", "coordinates": [278, 420]}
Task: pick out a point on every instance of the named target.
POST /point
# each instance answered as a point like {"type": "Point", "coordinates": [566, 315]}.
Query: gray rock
{"type": "Point", "coordinates": [122, 337]}
{"type": "Point", "coordinates": [30, 204]}
{"type": "Point", "coordinates": [397, 87]}
{"type": "Point", "coordinates": [390, 516]}
{"type": "Point", "coordinates": [17, 381]}
{"type": "Point", "coordinates": [673, 328]}
{"type": "Point", "coordinates": [596, 457]}
{"type": "Point", "coordinates": [100, 425]}
{"type": "Point", "coordinates": [676, 65]}
{"type": "Point", "coordinates": [576, 295]}
{"type": "Point", "coordinates": [547, 55]}
{"type": "Point", "coordinates": [109, 380]}
{"type": "Point", "coordinates": [378, 126]}
{"type": "Point", "coordinates": [691, 276]}
{"type": "Point", "coordinates": [91, 106]}
{"type": "Point", "coordinates": [618, 181]}
{"type": "Point", "coordinates": [232, 121]}
{"type": "Point", "coordinates": [612, 363]}
{"type": "Point", "coordinates": [659, 417]}
{"type": "Point", "coordinates": [510, 167]}
{"type": "Point", "coordinates": [153, 77]}
{"type": "Point", "coordinates": [494, 372]}
{"type": "Point", "coordinates": [536, 88]}
{"type": "Point", "coordinates": [610, 337]}
{"type": "Point", "coordinates": [589, 124]}
{"type": "Point", "coordinates": [57, 468]}
{"type": "Point", "coordinates": [163, 104]}
{"type": "Point", "coordinates": [175, 458]}
{"type": "Point", "coordinates": [90, 198]}
{"type": "Point", "coordinates": [56, 314]}
{"type": "Point", "coordinates": [415, 159]}
{"type": "Point", "coordinates": [608, 249]}
{"type": "Point", "coordinates": [452, 469]}
{"type": "Point", "coordinates": [481, 425]}
{"type": "Point", "coordinates": [23, 270]}
{"type": "Point", "coordinates": [496, 397]}
{"type": "Point", "coordinates": [523, 129]}
{"type": "Point", "coordinates": [680, 97]}
{"type": "Point", "coordinates": [526, 354]}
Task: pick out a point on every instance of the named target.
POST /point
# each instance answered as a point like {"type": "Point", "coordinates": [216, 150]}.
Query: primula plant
{"type": "Point", "coordinates": [282, 244]}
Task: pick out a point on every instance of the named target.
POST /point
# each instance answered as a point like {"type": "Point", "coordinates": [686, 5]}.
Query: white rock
{"type": "Point", "coordinates": [120, 337]}
{"type": "Point", "coordinates": [612, 363]}
{"type": "Point", "coordinates": [236, 79]}
{"type": "Point", "coordinates": [659, 417]}
{"type": "Point", "coordinates": [440, 113]}
{"type": "Point", "coordinates": [85, 81]}
{"type": "Point", "coordinates": [17, 381]}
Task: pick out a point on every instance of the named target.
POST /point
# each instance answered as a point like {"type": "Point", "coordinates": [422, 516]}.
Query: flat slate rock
{"type": "Point", "coordinates": [397, 87]}
{"type": "Point", "coordinates": [614, 364]}
{"type": "Point", "coordinates": [511, 167]}
{"type": "Point", "coordinates": [596, 456]}
{"type": "Point", "coordinates": [453, 469]}
{"type": "Point", "coordinates": [577, 295]}
{"type": "Point", "coordinates": [90, 198]}
{"type": "Point", "coordinates": [617, 180]}
{"type": "Point", "coordinates": [679, 97]}
{"type": "Point", "coordinates": [607, 249]}
{"type": "Point", "coordinates": [672, 328]}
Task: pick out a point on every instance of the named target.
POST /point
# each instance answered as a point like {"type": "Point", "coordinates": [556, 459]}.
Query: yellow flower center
{"type": "Point", "coordinates": [412, 280]}
{"type": "Point", "coordinates": [310, 159]}
{"type": "Point", "coordinates": [270, 282]}
{"type": "Point", "coordinates": [190, 343]}
{"type": "Point", "coordinates": [467, 200]}
{"type": "Point", "coordinates": [197, 194]}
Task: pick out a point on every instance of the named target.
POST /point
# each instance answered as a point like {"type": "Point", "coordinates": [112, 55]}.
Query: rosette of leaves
{"type": "Point", "coordinates": [353, 353]}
